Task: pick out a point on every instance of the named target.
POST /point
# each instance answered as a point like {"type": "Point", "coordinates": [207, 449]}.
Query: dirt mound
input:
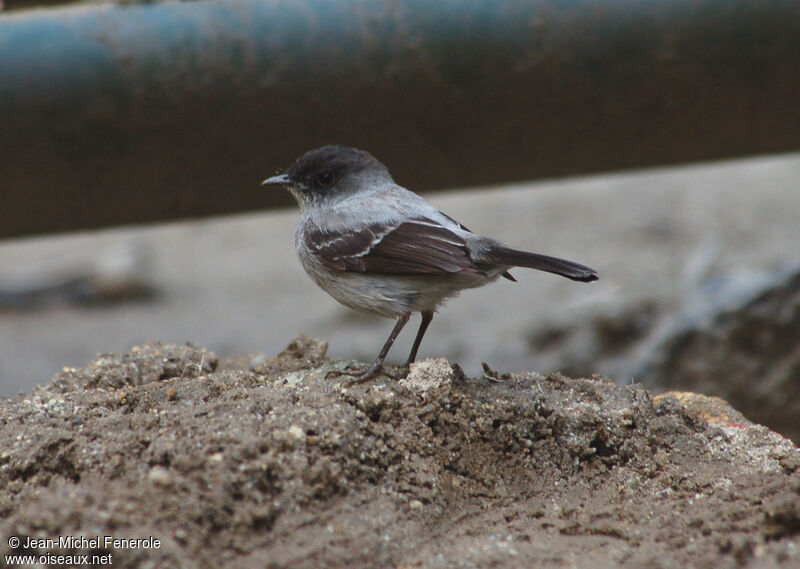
{"type": "Point", "coordinates": [273, 464]}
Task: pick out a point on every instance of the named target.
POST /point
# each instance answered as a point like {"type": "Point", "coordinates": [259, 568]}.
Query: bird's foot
{"type": "Point", "coordinates": [370, 372]}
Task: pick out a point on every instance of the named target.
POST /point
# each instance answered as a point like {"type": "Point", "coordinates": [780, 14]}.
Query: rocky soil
{"type": "Point", "coordinates": [278, 462]}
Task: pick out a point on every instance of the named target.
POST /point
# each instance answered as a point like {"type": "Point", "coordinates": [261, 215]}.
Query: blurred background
{"type": "Point", "coordinates": [654, 141]}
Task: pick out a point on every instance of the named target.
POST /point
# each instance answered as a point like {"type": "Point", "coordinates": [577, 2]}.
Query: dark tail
{"type": "Point", "coordinates": [517, 258]}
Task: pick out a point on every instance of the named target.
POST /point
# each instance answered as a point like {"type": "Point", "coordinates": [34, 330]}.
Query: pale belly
{"type": "Point", "coordinates": [388, 295]}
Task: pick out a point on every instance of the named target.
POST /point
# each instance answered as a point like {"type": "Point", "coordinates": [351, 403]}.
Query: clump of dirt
{"type": "Point", "coordinates": [275, 464]}
{"type": "Point", "coordinates": [144, 364]}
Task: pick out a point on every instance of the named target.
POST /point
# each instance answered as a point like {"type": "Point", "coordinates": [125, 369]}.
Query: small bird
{"type": "Point", "coordinates": [381, 249]}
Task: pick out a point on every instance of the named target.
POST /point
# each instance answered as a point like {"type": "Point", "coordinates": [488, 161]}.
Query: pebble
{"type": "Point", "coordinates": [160, 475]}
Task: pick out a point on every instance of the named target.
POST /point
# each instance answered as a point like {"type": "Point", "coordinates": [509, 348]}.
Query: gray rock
{"type": "Point", "coordinates": [747, 352]}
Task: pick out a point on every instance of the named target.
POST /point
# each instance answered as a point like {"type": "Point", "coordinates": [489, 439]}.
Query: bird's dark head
{"type": "Point", "coordinates": [330, 173]}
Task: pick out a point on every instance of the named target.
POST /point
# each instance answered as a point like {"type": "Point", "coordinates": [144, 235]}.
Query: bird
{"type": "Point", "coordinates": [381, 249]}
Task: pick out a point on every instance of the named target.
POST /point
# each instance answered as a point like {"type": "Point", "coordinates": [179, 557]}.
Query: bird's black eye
{"type": "Point", "coordinates": [325, 179]}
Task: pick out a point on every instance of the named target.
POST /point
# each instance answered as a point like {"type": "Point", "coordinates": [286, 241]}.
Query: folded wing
{"type": "Point", "coordinates": [415, 247]}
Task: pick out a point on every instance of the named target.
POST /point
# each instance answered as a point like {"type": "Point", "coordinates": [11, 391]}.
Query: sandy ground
{"type": "Point", "coordinates": [277, 464]}
{"type": "Point", "coordinates": [235, 286]}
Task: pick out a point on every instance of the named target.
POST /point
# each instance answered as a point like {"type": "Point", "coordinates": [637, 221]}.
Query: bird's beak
{"type": "Point", "coordinates": [281, 180]}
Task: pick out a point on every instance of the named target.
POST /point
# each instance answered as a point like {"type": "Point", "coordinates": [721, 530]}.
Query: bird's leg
{"type": "Point", "coordinates": [377, 365]}
{"type": "Point", "coordinates": [427, 316]}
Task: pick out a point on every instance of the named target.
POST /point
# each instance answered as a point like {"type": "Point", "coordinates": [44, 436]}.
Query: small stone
{"type": "Point", "coordinates": [160, 475]}
{"type": "Point", "coordinates": [709, 409]}
{"type": "Point", "coordinates": [415, 505]}
{"type": "Point", "coordinates": [428, 374]}
{"type": "Point", "coordinates": [295, 432]}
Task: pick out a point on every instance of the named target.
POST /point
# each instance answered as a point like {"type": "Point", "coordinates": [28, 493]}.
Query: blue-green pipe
{"type": "Point", "coordinates": [129, 114]}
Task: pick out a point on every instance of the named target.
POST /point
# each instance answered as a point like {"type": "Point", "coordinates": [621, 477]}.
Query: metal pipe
{"type": "Point", "coordinates": [114, 115]}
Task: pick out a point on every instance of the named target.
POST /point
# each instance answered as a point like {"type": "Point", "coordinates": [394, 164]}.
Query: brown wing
{"type": "Point", "coordinates": [415, 247]}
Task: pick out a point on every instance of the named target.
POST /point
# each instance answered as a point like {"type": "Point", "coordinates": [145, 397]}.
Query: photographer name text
{"type": "Point", "coordinates": [91, 542]}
